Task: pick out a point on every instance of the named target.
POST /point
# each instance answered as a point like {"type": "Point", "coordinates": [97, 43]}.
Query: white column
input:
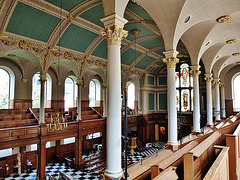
{"type": "Point", "coordinates": [196, 102]}
{"type": "Point", "coordinates": [43, 79]}
{"type": "Point", "coordinates": [209, 98]}
{"type": "Point", "coordinates": [79, 99]}
{"type": "Point", "coordinates": [171, 62]}
{"type": "Point", "coordinates": [223, 109]}
{"type": "Point", "coordinates": [144, 101]}
{"type": "Point", "coordinates": [104, 87]}
{"type": "Point", "coordinates": [213, 99]}
{"type": "Point", "coordinates": [114, 34]}
{"type": "Point", "coordinates": [217, 100]}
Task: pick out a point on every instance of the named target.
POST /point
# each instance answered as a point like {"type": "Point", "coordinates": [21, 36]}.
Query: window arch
{"type": "Point", "coordinates": [236, 95]}
{"type": "Point", "coordinates": [36, 88]}
{"type": "Point", "coordinates": [184, 90]}
{"type": "Point", "coordinates": [94, 93]}
{"type": "Point", "coordinates": [130, 95]}
{"type": "Point", "coordinates": [70, 93]}
{"type": "Point", "coordinates": [7, 86]}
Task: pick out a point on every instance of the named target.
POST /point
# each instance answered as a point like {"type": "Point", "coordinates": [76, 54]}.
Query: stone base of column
{"type": "Point", "coordinates": [196, 130]}
{"type": "Point", "coordinates": [172, 143]}
{"type": "Point", "coordinates": [112, 175]}
{"type": "Point", "coordinates": [173, 147]}
{"type": "Point", "coordinates": [210, 125]}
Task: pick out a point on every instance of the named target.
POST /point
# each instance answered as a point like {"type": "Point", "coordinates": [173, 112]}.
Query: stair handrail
{"type": "Point", "coordinates": [34, 115]}
{"type": "Point", "coordinates": [97, 112]}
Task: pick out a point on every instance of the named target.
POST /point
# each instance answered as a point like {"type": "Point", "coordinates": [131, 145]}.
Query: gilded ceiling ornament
{"type": "Point", "coordinates": [47, 55]}
{"type": "Point", "coordinates": [195, 73]}
{"type": "Point", "coordinates": [171, 62]}
{"type": "Point", "coordinates": [25, 45]}
{"type": "Point", "coordinates": [8, 43]}
{"type": "Point", "coordinates": [236, 54]}
{"type": "Point", "coordinates": [223, 19]}
{"type": "Point", "coordinates": [37, 49]}
{"type": "Point", "coordinates": [231, 41]}
{"type": "Point", "coordinates": [77, 58]}
{"type": "Point", "coordinates": [114, 35]}
{"type": "Point", "coordinates": [208, 79]}
{"type": "Point", "coordinates": [98, 63]}
{"type": "Point", "coordinates": [238, 62]}
{"type": "Point", "coordinates": [68, 55]}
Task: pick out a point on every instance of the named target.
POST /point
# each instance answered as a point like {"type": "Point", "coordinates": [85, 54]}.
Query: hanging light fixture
{"type": "Point", "coordinates": [57, 124]}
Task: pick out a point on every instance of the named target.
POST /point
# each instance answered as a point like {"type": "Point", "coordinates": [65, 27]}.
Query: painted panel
{"type": "Point", "coordinates": [151, 101]}
{"type": "Point", "coordinates": [162, 80]}
{"type": "Point", "coordinates": [151, 80]}
{"type": "Point", "coordinates": [162, 101]}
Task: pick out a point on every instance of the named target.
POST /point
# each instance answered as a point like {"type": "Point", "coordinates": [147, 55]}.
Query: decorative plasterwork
{"type": "Point", "coordinates": [171, 62]}
{"type": "Point", "coordinates": [114, 35]}
{"type": "Point", "coordinates": [208, 79]}
{"type": "Point", "coordinates": [195, 73]}
{"type": "Point", "coordinates": [236, 54]}
{"type": "Point", "coordinates": [231, 41]}
{"type": "Point", "coordinates": [223, 19]}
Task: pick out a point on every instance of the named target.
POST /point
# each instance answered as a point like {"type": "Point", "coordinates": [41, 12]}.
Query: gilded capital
{"type": "Point", "coordinates": [195, 73]}
{"type": "Point", "coordinates": [114, 35]}
{"type": "Point", "coordinates": [171, 62]}
{"type": "Point", "coordinates": [208, 79]}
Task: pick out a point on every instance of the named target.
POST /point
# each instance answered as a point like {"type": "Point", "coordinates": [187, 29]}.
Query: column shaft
{"type": "Point", "coordinates": [41, 160]}
{"type": "Point", "coordinates": [144, 102]}
{"type": "Point", "coordinates": [42, 99]}
{"type": "Point", "coordinates": [209, 102]}
{"type": "Point", "coordinates": [223, 108]}
{"type": "Point", "coordinates": [217, 100]}
{"type": "Point", "coordinates": [79, 108]}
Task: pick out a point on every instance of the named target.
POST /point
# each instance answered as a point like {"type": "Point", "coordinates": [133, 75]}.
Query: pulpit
{"type": "Point", "coordinates": [132, 144]}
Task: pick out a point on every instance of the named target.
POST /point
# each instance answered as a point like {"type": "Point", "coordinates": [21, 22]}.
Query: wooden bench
{"type": "Point", "coordinates": [233, 141]}
{"type": "Point", "coordinates": [196, 161]}
{"type": "Point", "coordinates": [17, 123]}
{"type": "Point", "coordinates": [167, 174]}
{"type": "Point", "coordinates": [220, 168]}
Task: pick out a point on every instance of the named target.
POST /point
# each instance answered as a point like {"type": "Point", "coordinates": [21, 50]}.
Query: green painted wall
{"type": "Point", "coordinates": [162, 80]}
{"type": "Point", "coordinates": [151, 101]}
{"type": "Point", "coordinates": [150, 80]}
{"type": "Point", "coordinates": [162, 101]}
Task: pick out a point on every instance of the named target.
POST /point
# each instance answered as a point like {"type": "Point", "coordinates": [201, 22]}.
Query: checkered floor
{"type": "Point", "coordinates": [53, 169]}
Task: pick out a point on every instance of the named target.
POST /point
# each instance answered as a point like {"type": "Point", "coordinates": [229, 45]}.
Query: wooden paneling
{"type": "Point", "coordinates": [22, 103]}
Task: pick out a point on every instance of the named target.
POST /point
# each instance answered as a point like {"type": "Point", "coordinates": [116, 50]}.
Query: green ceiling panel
{"type": "Point", "coordinates": [144, 62]}
{"type": "Point", "coordinates": [101, 50]}
{"type": "Point", "coordinates": [139, 11]}
{"type": "Point", "coordinates": [160, 52]}
{"type": "Point", "coordinates": [151, 101]}
{"type": "Point", "coordinates": [128, 17]}
{"type": "Point", "coordinates": [94, 15]}
{"type": "Point", "coordinates": [77, 38]}
{"type": "Point", "coordinates": [159, 63]}
{"type": "Point", "coordinates": [143, 31]}
{"type": "Point", "coordinates": [31, 22]}
{"type": "Point", "coordinates": [162, 101]}
{"type": "Point", "coordinates": [66, 4]}
{"type": "Point", "coordinates": [129, 56]}
{"type": "Point", "coordinates": [151, 43]}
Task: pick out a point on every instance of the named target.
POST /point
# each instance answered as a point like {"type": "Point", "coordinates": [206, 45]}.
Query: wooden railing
{"type": "Point", "coordinates": [195, 161]}
{"type": "Point", "coordinates": [233, 141]}
{"type": "Point", "coordinates": [220, 168]}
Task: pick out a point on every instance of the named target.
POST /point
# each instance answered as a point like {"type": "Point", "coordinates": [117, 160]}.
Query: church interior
{"type": "Point", "coordinates": [119, 89]}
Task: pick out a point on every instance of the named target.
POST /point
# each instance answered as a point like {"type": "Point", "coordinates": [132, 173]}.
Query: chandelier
{"type": "Point", "coordinates": [57, 124]}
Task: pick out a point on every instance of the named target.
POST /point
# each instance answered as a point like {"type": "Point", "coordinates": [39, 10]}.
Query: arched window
{"type": "Point", "coordinates": [94, 93]}
{"type": "Point", "coordinates": [130, 95]}
{"type": "Point", "coordinates": [4, 89]}
{"type": "Point", "coordinates": [184, 97]}
{"type": "Point", "coordinates": [36, 88]}
{"type": "Point", "coordinates": [70, 95]}
{"type": "Point", "coordinates": [236, 94]}
{"type": "Point", "coordinates": [7, 86]}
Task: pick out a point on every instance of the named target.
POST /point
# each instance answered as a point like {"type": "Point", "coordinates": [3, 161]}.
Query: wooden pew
{"type": "Point", "coordinates": [196, 161]}
{"type": "Point", "coordinates": [220, 168]}
{"type": "Point", "coordinates": [167, 174]}
{"type": "Point", "coordinates": [233, 141]}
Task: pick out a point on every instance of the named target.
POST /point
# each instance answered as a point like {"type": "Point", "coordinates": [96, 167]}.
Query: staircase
{"type": "Point", "coordinates": [89, 113]}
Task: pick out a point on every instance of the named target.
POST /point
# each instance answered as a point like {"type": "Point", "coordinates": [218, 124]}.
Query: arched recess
{"type": "Point", "coordinates": [131, 95]}
{"type": "Point", "coordinates": [235, 91]}
{"type": "Point", "coordinates": [70, 92]}
{"type": "Point", "coordinates": [36, 88]}
{"type": "Point", "coordinates": [7, 87]}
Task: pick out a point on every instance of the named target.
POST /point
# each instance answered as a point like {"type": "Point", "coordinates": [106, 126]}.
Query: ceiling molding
{"type": "Point", "coordinates": [93, 45]}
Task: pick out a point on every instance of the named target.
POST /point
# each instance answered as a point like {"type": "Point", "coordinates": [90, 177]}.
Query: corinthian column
{"type": "Point", "coordinates": [196, 104]}
{"type": "Point", "coordinates": [223, 110]}
{"type": "Point", "coordinates": [171, 62]}
{"type": "Point", "coordinates": [43, 79]}
{"type": "Point", "coordinates": [114, 33]}
{"type": "Point", "coordinates": [209, 99]}
{"type": "Point", "coordinates": [79, 108]}
{"type": "Point", "coordinates": [104, 87]}
{"type": "Point", "coordinates": [217, 100]}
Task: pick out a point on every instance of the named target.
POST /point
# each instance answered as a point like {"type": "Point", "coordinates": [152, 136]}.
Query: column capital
{"type": "Point", "coordinates": [208, 79]}
{"type": "Point", "coordinates": [208, 75]}
{"type": "Point", "coordinates": [216, 81]}
{"type": "Point", "coordinates": [114, 29]}
{"type": "Point", "coordinates": [195, 73]}
{"type": "Point", "coordinates": [79, 82]}
{"type": "Point", "coordinates": [43, 78]}
{"type": "Point", "coordinates": [222, 84]}
{"type": "Point", "coordinates": [171, 62]}
{"type": "Point", "coordinates": [104, 85]}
